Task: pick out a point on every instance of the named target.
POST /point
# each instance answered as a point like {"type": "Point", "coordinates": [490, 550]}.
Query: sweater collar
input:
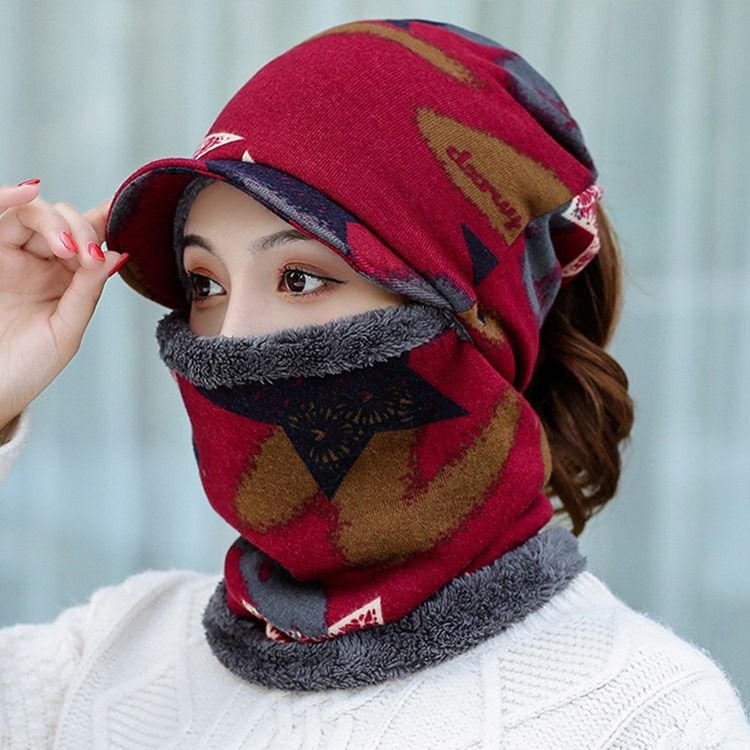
{"type": "Point", "coordinates": [468, 610]}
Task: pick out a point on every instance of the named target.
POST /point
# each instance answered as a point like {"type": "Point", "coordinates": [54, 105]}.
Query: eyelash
{"type": "Point", "coordinates": [327, 281]}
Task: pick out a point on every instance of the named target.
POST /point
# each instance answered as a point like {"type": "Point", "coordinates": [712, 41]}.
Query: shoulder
{"type": "Point", "coordinates": [588, 659]}
{"type": "Point", "coordinates": [140, 625]}
{"type": "Point", "coordinates": [149, 584]}
{"type": "Point", "coordinates": [42, 666]}
{"type": "Point", "coordinates": [108, 606]}
{"type": "Point", "coordinates": [143, 601]}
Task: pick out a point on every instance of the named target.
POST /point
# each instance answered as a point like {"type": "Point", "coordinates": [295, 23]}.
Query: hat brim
{"type": "Point", "coordinates": [141, 217]}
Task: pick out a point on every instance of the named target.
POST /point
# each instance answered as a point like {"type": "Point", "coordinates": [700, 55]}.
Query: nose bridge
{"type": "Point", "coordinates": [244, 312]}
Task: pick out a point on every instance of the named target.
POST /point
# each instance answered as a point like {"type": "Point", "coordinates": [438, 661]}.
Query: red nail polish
{"type": "Point", "coordinates": [120, 263]}
{"type": "Point", "coordinates": [35, 181]}
{"type": "Point", "coordinates": [69, 242]}
{"type": "Point", "coordinates": [95, 251]}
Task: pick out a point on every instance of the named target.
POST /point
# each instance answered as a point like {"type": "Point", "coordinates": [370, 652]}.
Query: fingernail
{"type": "Point", "coordinates": [95, 251]}
{"type": "Point", "coordinates": [120, 263]}
{"type": "Point", "coordinates": [35, 181]}
{"type": "Point", "coordinates": [69, 242]}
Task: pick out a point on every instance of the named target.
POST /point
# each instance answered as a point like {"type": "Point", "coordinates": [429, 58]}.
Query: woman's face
{"type": "Point", "coordinates": [252, 273]}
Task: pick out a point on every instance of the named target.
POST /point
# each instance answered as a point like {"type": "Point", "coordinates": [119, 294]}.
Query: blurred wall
{"type": "Point", "coordinates": [90, 90]}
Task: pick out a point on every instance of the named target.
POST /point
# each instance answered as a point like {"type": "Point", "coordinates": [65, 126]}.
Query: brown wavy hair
{"type": "Point", "coordinates": [579, 391]}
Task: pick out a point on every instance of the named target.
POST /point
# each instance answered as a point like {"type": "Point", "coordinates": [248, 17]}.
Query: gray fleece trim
{"type": "Point", "coordinates": [462, 614]}
{"type": "Point", "coordinates": [341, 345]}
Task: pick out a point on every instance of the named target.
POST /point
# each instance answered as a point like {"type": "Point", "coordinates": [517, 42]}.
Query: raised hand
{"type": "Point", "coordinates": [52, 272]}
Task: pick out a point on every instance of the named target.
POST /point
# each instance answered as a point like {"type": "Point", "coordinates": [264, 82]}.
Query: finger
{"type": "Point", "coordinates": [97, 217]}
{"type": "Point", "coordinates": [84, 235]}
{"type": "Point", "coordinates": [19, 225]}
{"type": "Point", "coordinates": [17, 195]}
{"type": "Point", "coordinates": [78, 302]}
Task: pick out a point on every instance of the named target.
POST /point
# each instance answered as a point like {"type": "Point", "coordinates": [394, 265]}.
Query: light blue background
{"type": "Point", "coordinates": [90, 90]}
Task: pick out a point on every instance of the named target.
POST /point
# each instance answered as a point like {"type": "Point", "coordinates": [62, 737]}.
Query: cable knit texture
{"type": "Point", "coordinates": [132, 669]}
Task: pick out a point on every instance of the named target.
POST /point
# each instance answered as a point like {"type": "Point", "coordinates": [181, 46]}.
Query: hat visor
{"type": "Point", "coordinates": [141, 217]}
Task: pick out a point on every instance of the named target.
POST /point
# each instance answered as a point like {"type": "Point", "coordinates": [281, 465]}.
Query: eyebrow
{"type": "Point", "coordinates": [262, 243]}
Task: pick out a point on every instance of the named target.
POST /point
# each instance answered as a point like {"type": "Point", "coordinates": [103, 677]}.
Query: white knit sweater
{"type": "Point", "coordinates": [132, 669]}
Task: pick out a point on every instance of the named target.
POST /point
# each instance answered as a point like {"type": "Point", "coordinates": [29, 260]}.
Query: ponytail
{"type": "Point", "coordinates": [579, 391]}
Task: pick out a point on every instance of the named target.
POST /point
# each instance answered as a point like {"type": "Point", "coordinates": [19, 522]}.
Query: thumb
{"type": "Point", "coordinates": [76, 305]}
{"type": "Point", "coordinates": [97, 217]}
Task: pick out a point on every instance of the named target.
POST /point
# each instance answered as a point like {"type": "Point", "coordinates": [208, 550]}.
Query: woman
{"type": "Point", "coordinates": [391, 284]}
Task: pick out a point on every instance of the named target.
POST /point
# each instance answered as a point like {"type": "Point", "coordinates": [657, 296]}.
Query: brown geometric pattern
{"type": "Point", "coordinates": [396, 520]}
{"type": "Point", "coordinates": [507, 186]}
{"type": "Point", "coordinates": [433, 55]}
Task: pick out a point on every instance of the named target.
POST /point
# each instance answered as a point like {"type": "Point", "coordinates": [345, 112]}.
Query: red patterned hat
{"type": "Point", "coordinates": [436, 162]}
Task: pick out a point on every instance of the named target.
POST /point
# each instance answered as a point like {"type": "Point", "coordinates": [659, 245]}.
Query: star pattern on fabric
{"type": "Point", "coordinates": [330, 420]}
{"type": "Point", "coordinates": [482, 259]}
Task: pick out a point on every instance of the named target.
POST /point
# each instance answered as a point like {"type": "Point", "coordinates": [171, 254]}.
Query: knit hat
{"type": "Point", "coordinates": [369, 460]}
{"type": "Point", "coordinates": [435, 161]}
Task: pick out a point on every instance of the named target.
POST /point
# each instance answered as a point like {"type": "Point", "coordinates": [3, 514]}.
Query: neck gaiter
{"type": "Point", "coordinates": [365, 463]}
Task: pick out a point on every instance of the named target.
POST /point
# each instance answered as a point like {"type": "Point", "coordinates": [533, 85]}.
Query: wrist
{"type": "Point", "coordinates": [7, 430]}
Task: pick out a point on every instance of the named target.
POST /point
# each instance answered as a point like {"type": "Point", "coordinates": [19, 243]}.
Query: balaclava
{"type": "Point", "coordinates": [368, 461]}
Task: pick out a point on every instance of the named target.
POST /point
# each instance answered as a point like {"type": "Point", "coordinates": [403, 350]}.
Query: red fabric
{"type": "Point", "coordinates": [449, 496]}
{"type": "Point", "coordinates": [413, 128]}
{"type": "Point", "coordinates": [439, 164]}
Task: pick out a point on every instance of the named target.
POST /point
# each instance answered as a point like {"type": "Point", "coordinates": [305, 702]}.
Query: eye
{"type": "Point", "coordinates": [299, 282]}
{"type": "Point", "coordinates": [202, 287]}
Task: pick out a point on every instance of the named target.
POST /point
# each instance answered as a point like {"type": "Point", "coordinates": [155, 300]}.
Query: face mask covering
{"type": "Point", "coordinates": [365, 463]}
{"type": "Point", "coordinates": [369, 461]}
